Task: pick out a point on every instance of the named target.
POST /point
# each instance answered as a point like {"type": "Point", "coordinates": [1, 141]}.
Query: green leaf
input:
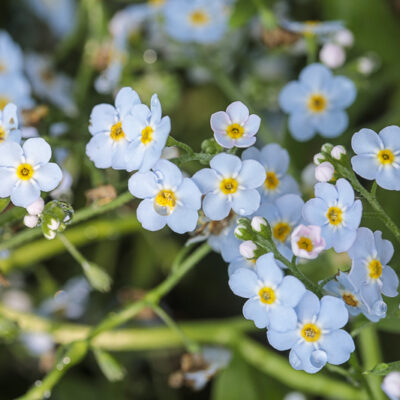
{"type": "Point", "coordinates": [98, 278]}
{"type": "Point", "coordinates": [110, 367]}
{"type": "Point", "coordinates": [4, 203]}
{"type": "Point", "coordinates": [244, 10]}
{"type": "Point", "coordinates": [384, 369]}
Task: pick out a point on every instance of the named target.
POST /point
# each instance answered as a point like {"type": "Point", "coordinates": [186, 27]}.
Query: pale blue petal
{"type": "Point", "coordinates": [384, 247]}
{"type": "Point", "coordinates": [390, 282]}
{"type": "Point", "coordinates": [315, 76]}
{"type": "Point", "coordinates": [314, 212]}
{"type": "Point", "coordinates": [366, 141]}
{"type": "Point", "coordinates": [345, 192]}
{"type": "Point", "coordinates": [287, 185]}
{"type": "Point", "coordinates": [151, 155]}
{"type": "Point", "coordinates": [226, 164]}
{"type": "Point", "coordinates": [143, 185]}
{"type": "Point", "coordinates": [25, 193]}
{"type": "Point", "coordinates": [254, 310]}
{"type": "Point", "coordinates": [132, 127]}
{"type": "Point", "coordinates": [239, 262]}
{"type": "Point", "coordinates": [282, 318]}
{"type": "Point", "coordinates": [11, 154]}
{"type": "Point", "coordinates": [364, 244]}
{"type": "Point", "coordinates": [237, 112]}
{"type": "Point", "coordinates": [10, 116]}
{"type": "Point", "coordinates": [206, 179]}
{"type": "Point", "coordinates": [37, 151]}
{"type": "Point", "coordinates": [252, 154]}
{"type": "Point", "coordinates": [168, 173]}
{"type": "Point", "coordinates": [48, 176]}
{"type": "Point", "coordinates": [118, 160]}
{"type": "Point", "coordinates": [358, 273]}
{"type": "Point", "coordinates": [252, 125]}
{"type": "Point", "coordinates": [308, 307]}
{"type": "Point", "coordinates": [341, 92]}
{"type": "Point", "coordinates": [216, 206]}
{"type": "Point", "coordinates": [275, 158]}
{"type": "Point", "coordinates": [332, 314]}
{"type": "Point", "coordinates": [8, 179]}
{"type": "Point", "coordinates": [224, 140]}
{"type": "Point", "coordinates": [245, 141]}
{"type": "Point", "coordinates": [353, 215]}
{"type": "Point", "coordinates": [251, 175]}
{"type": "Point", "coordinates": [365, 165]}
{"type": "Point", "coordinates": [340, 239]}
{"type": "Point", "coordinates": [148, 217]}
{"type": "Point", "coordinates": [244, 283]}
{"type": "Point", "coordinates": [126, 98]}
{"type": "Point", "coordinates": [102, 117]}
{"type": "Point", "coordinates": [134, 155]}
{"type": "Point", "coordinates": [156, 110]}
{"type": "Point", "coordinates": [338, 346]}
{"type": "Point", "coordinates": [293, 97]}
{"type": "Point", "coordinates": [303, 352]}
{"type": "Point", "coordinates": [290, 207]}
{"type": "Point", "coordinates": [189, 194]}
{"type": "Point", "coordinates": [332, 123]}
{"type": "Point", "coordinates": [326, 191]}
{"type": "Point", "coordinates": [301, 126]}
{"type": "Point", "coordinates": [99, 150]}
{"type": "Point", "coordinates": [267, 270]}
{"type": "Point", "coordinates": [390, 137]}
{"type": "Point", "coordinates": [388, 178]}
{"type": "Point", "coordinates": [246, 202]}
{"type": "Point", "coordinates": [282, 340]}
{"type": "Point", "coordinates": [220, 121]}
{"type": "Point", "coordinates": [162, 131]}
{"type": "Point", "coordinates": [290, 291]}
{"type": "Point", "coordinates": [183, 220]}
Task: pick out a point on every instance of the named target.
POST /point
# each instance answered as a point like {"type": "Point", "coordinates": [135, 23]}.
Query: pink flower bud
{"type": "Point", "coordinates": [31, 220]}
{"type": "Point", "coordinates": [36, 207]}
{"type": "Point", "coordinates": [307, 241]}
{"type": "Point", "coordinates": [324, 172]}
{"type": "Point", "coordinates": [247, 249]}
{"type": "Point", "coordinates": [332, 55]}
{"type": "Point", "coordinates": [337, 152]}
{"type": "Point", "coordinates": [344, 38]}
{"type": "Point", "coordinates": [257, 223]}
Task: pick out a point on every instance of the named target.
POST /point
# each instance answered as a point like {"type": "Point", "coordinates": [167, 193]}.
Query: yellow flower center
{"type": "Point", "coordinates": [309, 27]}
{"type": "Point", "coordinates": [386, 157]}
{"type": "Point", "coordinates": [25, 171]}
{"type": "Point", "coordinates": [2, 134]}
{"type": "Point", "coordinates": [199, 18]}
{"type": "Point", "coordinates": [156, 3]}
{"type": "Point", "coordinates": [3, 102]}
{"type": "Point", "coordinates": [335, 215]}
{"type": "Point", "coordinates": [281, 231]}
{"type": "Point", "coordinates": [117, 132]}
{"type": "Point", "coordinates": [229, 185]}
{"type": "Point", "coordinates": [310, 332]}
{"type": "Point", "coordinates": [235, 131]}
{"type": "Point", "coordinates": [375, 269]}
{"type": "Point", "coordinates": [317, 103]}
{"type": "Point", "coordinates": [2, 67]}
{"type": "Point", "coordinates": [350, 299]}
{"type": "Point", "coordinates": [165, 202]}
{"type": "Point", "coordinates": [267, 295]}
{"type": "Point", "coordinates": [305, 243]}
{"type": "Point", "coordinates": [271, 181]}
{"type": "Point", "coordinates": [147, 135]}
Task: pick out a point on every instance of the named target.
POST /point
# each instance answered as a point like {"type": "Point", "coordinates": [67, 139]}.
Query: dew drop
{"type": "Point", "coordinates": [38, 383]}
{"type": "Point", "coordinates": [66, 360]}
{"type": "Point", "coordinates": [242, 211]}
{"type": "Point", "coordinates": [159, 176]}
{"type": "Point", "coordinates": [60, 366]}
{"type": "Point", "coordinates": [379, 308]}
{"type": "Point", "coordinates": [47, 394]}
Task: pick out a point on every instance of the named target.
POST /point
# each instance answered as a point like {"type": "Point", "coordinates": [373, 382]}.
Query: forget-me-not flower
{"type": "Point", "coordinates": [9, 124]}
{"type": "Point", "coordinates": [17, 90]}
{"type": "Point", "coordinates": [169, 199]}
{"type": "Point", "coordinates": [26, 170]}
{"type": "Point", "coordinates": [271, 296]}
{"type": "Point", "coordinates": [230, 183]}
{"type": "Point", "coordinates": [240, 263]}
{"type": "Point", "coordinates": [313, 28]}
{"type": "Point", "coordinates": [317, 338]}
{"type": "Point", "coordinates": [378, 156]}
{"type": "Point", "coordinates": [336, 212]}
{"type": "Point", "coordinates": [11, 56]}
{"type": "Point", "coordinates": [307, 241]}
{"type": "Point", "coordinates": [316, 103]}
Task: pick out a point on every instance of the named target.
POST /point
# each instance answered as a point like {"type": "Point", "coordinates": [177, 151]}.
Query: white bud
{"type": "Point", "coordinates": [366, 65]}
{"type": "Point", "coordinates": [257, 223]}
{"type": "Point", "coordinates": [247, 249]}
{"type": "Point", "coordinates": [332, 55]}
{"type": "Point", "coordinates": [391, 385]}
{"type": "Point", "coordinates": [238, 230]}
{"type": "Point", "coordinates": [318, 158]}
{"type": "Point", "coordinates": [53, 225]}
{"type": "Point", "coordinates": [324, 172]}
{"type": "Point", "coordinates": [344, 37]}
{"type": "Point", "coordinates": [36, 207]}
{"type": "Point", "coordinates": [326, 147]}
{"type": "Point", "coordinates": [31, 220]}
{"type": "Point", "coordinates": [337, 152]}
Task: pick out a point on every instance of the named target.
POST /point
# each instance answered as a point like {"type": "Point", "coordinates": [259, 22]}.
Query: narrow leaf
{"type": "Point", "coordinates": [110, 367]}
{"type": "Point", "coordinates": [384, 369]}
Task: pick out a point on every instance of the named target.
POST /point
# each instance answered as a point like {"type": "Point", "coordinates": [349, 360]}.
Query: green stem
{"type": "Point", "coordinates": [80, 259]}
{"type": "Point", "coordinates": [312, 48]}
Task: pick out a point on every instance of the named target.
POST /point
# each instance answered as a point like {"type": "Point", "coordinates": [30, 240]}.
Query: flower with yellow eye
{"type": "Point", "coordinates": [313, 28]}
{"type": "Point", "coordinates": [307, 241]}
{"type": "Point", "coordinates": [229, 184]}
{"type": "Point", "coordinates": [9, 124]}
{"type": "Point", "coordinates": [378, 156]}
{"type": "Point", "coordinates": [169, 198]}
{"type": "Point", "coordinates": [316, 103]}
{"type": "Point", "coordinates": [336, 211]}
{"type": "Point", "coordinates": [26, 171]}
{"type": "Point", "coordinates": [318, 337]}
{"type": "Point", "coordinates": [271, 296]}
{"type": "Point", "coordinates": [11, 57]}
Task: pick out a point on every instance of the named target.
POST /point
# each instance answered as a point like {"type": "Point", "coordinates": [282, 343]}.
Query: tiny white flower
{"type": "Point", "coordinates": [332, 55]}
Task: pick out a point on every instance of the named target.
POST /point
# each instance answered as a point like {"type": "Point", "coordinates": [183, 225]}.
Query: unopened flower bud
{"type": "Point", "coordinates": [31, 220]}
{"type": "Point", "coordinates": [36, 207]}
{"type": "Point", "coordinates": [327, 147]}
{"type": "Point", "coordinates": [391, 385]}
{"type": "Point", "coordinates": [337, 152]}
{"type": "Point", "coordinates": [318, 158]}
{"type": "Point", "coordinates": [324, 172]}
{"type": "Point", "coordinates": [344, 37]}
{"type": "Point", "coordinates": [247, 249]}
{"type": "Point", "coordinates": [332, 55]}
{"type": "Point", "coordinates": [257, 223]}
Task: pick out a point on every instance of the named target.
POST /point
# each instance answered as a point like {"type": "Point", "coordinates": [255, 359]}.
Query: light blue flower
{"type": "Point", "coordinates": [235, 127]}
{"type": "Point", "coordinates": [336, 212]}
{"type": "Point", "coordinates": [275, 160]}
{"type": "Point", "coordinates": [202, 21]}
{"type": "Point", "coordinates": [316, 103]}
{"type": "Point", "coordinates": [26, 170]}
{"type": "Point", "coordinates": [9, 124]}
{"type": "Point", "coordinates": [317, 339]}
{"type": "Point", "coordinates": [378, 156]}
{"type": "Point", "coordinates": [169, 199]}
{"type": "Point", "coordinates": [11, 57]}
{"type": "Point", "coordinates": [15, 89]}
{"type": "Point", "coordinates": [230, 184]}
{"type": "Point", "coordinates": [239, 263]}
{"type": "Point", "coordinates": [271, 296]}
{"type": "Point", "coordinates": [148, 132]}
{"type": "Point", "coordinates": [309, 28]}
{"type": "Point", "coordinates": [108, 126]}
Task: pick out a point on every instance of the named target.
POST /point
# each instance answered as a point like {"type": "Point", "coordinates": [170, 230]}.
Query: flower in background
{"type": "Point", "coordinates": [147, 132]}
{"type": "Point", "coordinates": [307, 241]}
{"type": "Point", "coordinates": [391, 385]}
{"type": "Point", "coordinates": [317, 338]}
{"type": "Point", "coordinates": [378, 156]}
{"type": "Point", "coordinates": [275, 160]}
{"type": "Point", "coordinates": [108, 126]}
{"type": "Point", "coordinates": [15, 89]}
{"type": "Point", "coordinates": [240, 263]}
{"type": "Point", "coordinates": [313, 28]}
{"type": "Point", "coordinates": [26, 170]}
{"type": "Point", "coordinates": [11, 57]}
{"type": "Point", "coordinates": [336, 212]}
{"type": "Point", "coordinates": [271, 296]}
{"type": "Point", "coordinates": [169, 199]}
{"type": "Point", "coordinates": [332, 55]}
{"type": "Point", "coordinates": [230, 183]}
{"type": "Point", "coordinates": [9, 124]}
{"type": "Point", "coordinates": [316, 103]}
{"type": "Point", "coordinates": [235, 127]}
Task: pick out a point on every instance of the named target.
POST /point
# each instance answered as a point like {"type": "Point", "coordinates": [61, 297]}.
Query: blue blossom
{"type": "Point", "coordinates": [317, 338]}
{"type": "Point", "coordinates": [169, 199]}
{"type": "Point", "coordinates": [108, 126]}
{"type": "Point", "coordinates": [310, 28]}
{"type": "Point", "coordinates": [271, 296]}
{"type": "Point", "coordinates": [26, 170]}
{"type": "Point", "coordinates": [15, 89]}
{"type": "Point", "coordinates": [336, 212]}
{"type": "Point", "coordinates": [11, 57]}
{"type": "Point", "coordinates": [235, 127]}
{"type": "Point", "coordinates": [148, 132]}
{"type": "Point", "coordinates": [378, 156]}
{"type": "Point", "coordinates": [275, 160]}
{"type": "Point", "coordinates": [239, 263]}
{"type": "Point", "coordinates": [230, 184]}
{"type": "Point", "coordinates": [316, 103]}
{"type": "Point", "coordinates": [9, 124]}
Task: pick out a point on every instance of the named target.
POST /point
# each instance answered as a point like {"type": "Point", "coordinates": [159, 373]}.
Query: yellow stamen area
{"type": "Point", "coordinates": [305, 243]}
{"type": "Point", "coordinates": [147, 135]}
{"type": "Point", "coordinates": [2, 134]}
{"type": "Point", "coordinates": [317, 103]}
{"type": "Point", "coordinates": [375, 269]}
{"type": "Point", "coordinates": [199, 18]}
{"type": "Point", "coordinates": [267, 295]}
{"type": "Point", "coordinates": [309, 27]}
{"type": "Point", "coordinates": [271, 181]}
{"type": "Point", "coordinates": [350, 299]}
{"type": "Point", "coordinates": [235, 131]}
{"type": "Point", "coordinates": [335, 215]}
{"type": "Point", "coordinates": [229, 185]}
{"type": "Point", "coordinates": [281, 231]}
{"type": "Point", "coordinates": [386, 156]}
{"type": "Point", "coordinates": [117, 132]}
{"type": "Point", "coordinates": [3, 102]}
{"type": "Point", "coordinates": [310, 332]}
{"type": "Point", "coordinates": [25, 171]}
{"type": "Point", "coordinates": [165, 202]}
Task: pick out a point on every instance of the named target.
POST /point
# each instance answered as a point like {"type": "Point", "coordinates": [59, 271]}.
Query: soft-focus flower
{"type": "Point", "coordinates": [271, 296]}
{"type": "Point", "coordinates": [11, 57]}
{"type": "Point", "coordinates": [336, 212]}
{"type": "Point", "coordinates": [241, 262]}
{"type": "Point", "coordinates": [36, 207]}
{"type": "Point", "coordinates": [332, 55]}
{"type": "Point", "coordinates": [9, 124]}
{"type": "Point", "coordinates": [26, 170]}
{"type": "Point", "coordinates": [307, 241]}
{"type": "Point", "coordinates": [337, 152]}
{"type": "Point", "coordinates": [38, 343]}
{"type": "Point", "coordinates": [378, 156]}
{"type": "Point", "coordinates": [275, 160]}
{"type": "Point", "coordinates": [316, 103]}
{"type": "Point", "coordinates": [391, 385]}
{"type": "Point", "coordinates": [230, 184]}
{"type": "Point", "coordinates": [31, 221]}
{"type": "Point", "coordinates": [317, 339]}
{"type": "Point", "coordinates": [247, 249]}
{"type": "Point", "coordinates": [235, 127]}
{"type": "Point", "coordinates": [169, 199]}
{"type": "Point", "coordinates": [344, 38]}
{"type": "Point", "coordinates": [324, 172]}
{"type": "Point", "coordinates": [311, 28]}
{"type": "Point", "coordinates": [15, 89]}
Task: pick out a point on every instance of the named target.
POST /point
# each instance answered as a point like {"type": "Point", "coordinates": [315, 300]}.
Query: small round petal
{"type": "Point", "coordinates": [167, 173]}
{"type": "Point", "coordinates": [390, 137]}
{"type": "Point", "coordinates": [247, 249]}
{"type": "Point", "coordinates": [253, 310]}
{"type": "Point", "coordinates": [189, 194]}
{"type": "Point", "coordinates": [37, 151]}
{"type": "Point", "coordinates": [102, 117]}
{"type": "Point", "coordinates": [267, 269]}
{"type": "Point", "coordinates": [148, 217]}
{"type": "Point", "coordinates": [314, 212]}
{"type": "Point", "coordinates": [333, 313]}
{"type": "Point", "coordinates": [126, 98]}
{"type": "Point", "coordinates": [245, 141]}
{"type": "Point", "coordinates": [282, 318]}
{"type": "Point", "coordinates": [143, 185]}
{"type": "Point", "coordinates": [275, 158]}
{"type": "Point", "coordinates": [353, 215]}
{"type": "Point", "coordinates": [183, 220]}
{"type": "Point", "coordinates": [36, 207]}
{"type": "Point", "coordinates": [290, 207]}
{"type": "Point", "coordinates": [246, 202]}
{"type": "Point", "coordinates": [25, 193]}
{"type": "Point", "coordinates": [292, 97]}
{"type": "Point", "coordinates": [8, 179]}
{"type": "Point", "coordinates": [251, 175]}
{"type": "Point", "coordinates": [156, 110]}
{"type": "Point", "coordinates": [388, 178]}
{"type": "Point", "coordinates": [365, 166]}
{"type": "Point", "coordinates": [252, 125]}
{"type": "Point", "coordinates": [308, 307]}
{"type": "Point", "coordinates": [366, 141]}
{"type": "Point", "coordinates": [220, 121]}
{"type": "Point", "coordinates": [291, 291]}
{"type": "Point", "coordinates": [363, 245]}
{"type": "Point", "coordinates": [318, 358]}
{"type": "Point", "coordinates": [345, 192]}
{"type": "Point", "coordinates": [303, 351]}
{"type": "Point", "coordinates": [390, 282]}
{"type": "Point", "coordinates": [206, 179]}
{"type": "Point", "coordinates": [31, 221]}
{"type": "Point", "coordinates": [226, 164]}
{"type": "Point", "coordinates": [48, 176]}
{"type": "Point", "coordinates": [10, 154]}
{"type": "Point", "coordinates": [384, 247]}
{"type": "Point", "coordinates": [338, 346]}
{"type": "Point", "coordinates": [342, 92]}
{"type": "Point", "coordinates": [324, 172]}
{"type": "Point", "coordinates": [216, 206]}
{"type": "Point", "coordinates": [301, 126]}
{"type": "Point", "coordinates": [237, 112]}
{"type": "Point", "coordinates": [224, 140]}
{"type": "Point", "coordinates": [282, 340]}
{"type": "Point", "coordinates": [326, 191]}
{"type": "Point", "coordinates": [99, 151]}
{"type": "Point", "coordinates": [332, 123]}
{"type": "Point", "coordinates": [315, 76]}
{"type": "Point", "coordinates": [244, 283]}
{"type": "Point", "coordinates": [337, 152]}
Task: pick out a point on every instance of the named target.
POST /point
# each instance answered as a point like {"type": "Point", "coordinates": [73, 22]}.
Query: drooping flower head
{"type": "Point", "coordinates": [313, 28]}
{"type": "Point", "coordinates": [9, 124]}
{"type": "Point", "coordinates": [169, 199]}
{"type": "Point", "coordinates": [316, 103]}
{"type": "Point", "coordinates": [336, 212]}
{"type": "Point", "coordinates": [307, 241]}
